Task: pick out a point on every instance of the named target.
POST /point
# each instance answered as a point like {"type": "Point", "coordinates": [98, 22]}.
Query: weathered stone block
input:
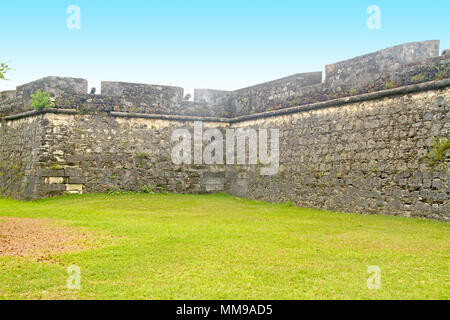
{"type": "Point", "coordinates": [73, 172]}
{"type": "Point", "coordinates": [55, 180]}
{"type": "Point", "coordinates": [74, 187]}
{"type": "Point", "coordinates": [49, 188]}
{"type": "Point", "coordinates": [51, 173]}
{"type": "Point", "coordinates": [77, 180]}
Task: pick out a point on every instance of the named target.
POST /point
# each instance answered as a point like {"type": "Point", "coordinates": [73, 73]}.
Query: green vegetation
{"type": "Point", "coordinates": [390, 84]}
{"type": "Point", "coordinates": [221, 247]}
{"type": "Point", "coordinates": [353, 92]}
{"type": "Point", "coordinates": [41, 100]}
{"type": "Point", "coordinates": [56, 166]}
{"type": "Point", "coordinates": [4, 68]}
{"type": "Point", "coordinates": [143, 156]}
{"type": "Point", "coordinates": [147, 189]}
{"type": "Point", "coordinates": [442, 72]}
{"type": "Point", "coordinates": [438, 152]}
{"type": "Point", "coordinates": [418, 78]}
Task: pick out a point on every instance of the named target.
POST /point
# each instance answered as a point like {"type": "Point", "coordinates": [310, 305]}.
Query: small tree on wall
{"type": "Point", "coordinates": [4, 68]}
{"type": "Point", "coordinates": [41, 100]}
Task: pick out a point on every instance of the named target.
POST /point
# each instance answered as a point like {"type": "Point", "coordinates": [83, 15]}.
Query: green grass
{"type": "Point", "coordinates": [220, 247]}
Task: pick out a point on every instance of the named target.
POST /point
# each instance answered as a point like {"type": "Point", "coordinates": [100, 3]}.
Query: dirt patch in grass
{"type": "Point", "coordinates": [41, 239]}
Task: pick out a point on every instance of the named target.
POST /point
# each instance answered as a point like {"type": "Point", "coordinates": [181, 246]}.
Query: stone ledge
{"type": "Point", "coordinates": [167, 117]}
{"type": "Point", "coordinates": [37, 113]}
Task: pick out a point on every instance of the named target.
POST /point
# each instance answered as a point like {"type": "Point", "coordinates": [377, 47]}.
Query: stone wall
{"type": "Point", "coordinates": [71, 93]}
{"type": "Point", "coordinates": [392, 67]}
{"type": "Point", "coordinates": [143, 98]}
{"type": "Point", "coordinates": [436, 68]}
{"type": "Point", "coordinates": [81, 153]}
{"type": "Point", "coordinates": [212, 97]}
{"type": "Point", "coordinates": [7, 101]}
{"type": "Point", "coordinates": [14, 102]}
{"type": "Point", "coordinates": [258, 98]}
{"type": "Point", "coordinates": [367, 154]}
{"type": "Point", "coordinates": [368, 157]}
{"type": "Point", "coordinates": [269, 95]}
{"type": "Point", "coordinates": [361, 70]}
{"type": "Point", "coordinates": [353, 148]}
{"type": "Point", "coordinates": [53, 85]}
{"type": "Point", "coordinates": [19, 156]}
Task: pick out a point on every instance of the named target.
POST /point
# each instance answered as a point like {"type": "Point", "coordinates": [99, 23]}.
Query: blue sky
{"type": "Point", "coordinates": [203, 44]}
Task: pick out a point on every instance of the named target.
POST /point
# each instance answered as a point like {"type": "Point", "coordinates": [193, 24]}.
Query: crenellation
{"type": "Point", "coordinates": [54, 85]}
{"type": "Point", "coordinates": [144, 94]}
{"type": "Point", "coordinates": [212, 97]}
{"type": "Point", "coordinates": [397, 66]}
{"type": "Point", "coordinates": [7, 101]}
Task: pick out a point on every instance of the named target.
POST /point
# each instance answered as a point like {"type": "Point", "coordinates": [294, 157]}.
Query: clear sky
{"type": "Point", "coordinates": [215, 44]}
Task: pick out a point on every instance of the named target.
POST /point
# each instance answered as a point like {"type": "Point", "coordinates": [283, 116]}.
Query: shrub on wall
{"type": "Point", "coordinates": [4, 68]}
{"type": "Point", "coordinates": [41, 100]}
{"type": "Point", "coordinates": [438, 152]}
{"type": "Point", "coordinates": [442, 72]}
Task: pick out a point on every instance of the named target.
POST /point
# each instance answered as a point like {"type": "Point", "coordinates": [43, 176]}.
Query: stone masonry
{"type": "Point", "coordinates": [346, 144]}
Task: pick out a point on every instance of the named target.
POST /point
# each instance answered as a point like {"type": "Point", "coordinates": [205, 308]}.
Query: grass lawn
{"type": "Point", "coordinates": [221, 247]}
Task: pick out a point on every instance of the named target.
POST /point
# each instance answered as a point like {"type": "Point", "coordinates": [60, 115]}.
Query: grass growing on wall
{"type": "Point", "coordinates": [221, 247]}
{"type": "Point", "coordinates": [438, 152]}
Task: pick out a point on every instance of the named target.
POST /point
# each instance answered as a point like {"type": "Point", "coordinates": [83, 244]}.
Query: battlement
{"type": "Point", "coordinates": [396, 66]}
{"type": "Point", "coordinates": [363, 69]}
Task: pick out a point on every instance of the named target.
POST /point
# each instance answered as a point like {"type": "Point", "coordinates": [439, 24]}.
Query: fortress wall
{"type": "Point", "coordinates": [211, 97]}
{"type": "Point", "coordinates": [81, 153]}
{"type": "Point", "coordinates": [102, 103]}
{"type": "Point", "coordinates": [361, 70]}
{"type": "Point", "coordinates": [258, 98]}
{"type": "Point", "coordinates": [436, 68]}
{"type": "Point", "coordinates": [21, 141]}
{"type": "Point", "coordinates": [368, 157]}
{"type": "Point", "coordinates": [70, 93]}
{"type": "Point", "coordinates": [7, 101]}
{"type": "Point", "coordinates": [392, 67]}
{"type": "Point", "coordinates": [53, 85]}
{"type": "Point", "coordinates": [341, 149]}
{"type": "Point", "coordinates": [270, 95]}
{"type": "Point", "coordinates": [14, 102]}
{"type": "Point", "coordinates": [421, 71]}
{"type": "Point", "coordinates": [145, 98]}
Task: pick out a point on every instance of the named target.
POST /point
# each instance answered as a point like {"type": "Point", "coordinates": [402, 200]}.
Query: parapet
{"type": "Point", "coordinates": [364, 69]}
{"type": "Point", "coordinates": [211, 96]}
{"type": "Point", "coordinates": [270, 95]}
{"type": "Point", "coordinates": [54, 85]}
{"type": "Point", "coordinates": [19, 100]}
{"type": "Point", "coordinates": [401, 65]}
{"type": "Point", "coordinates": [258, 98]}
{"type": "Point", "coordinates": [143, 97]}
{"type": "Point", "coordinates": [7, 101]}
